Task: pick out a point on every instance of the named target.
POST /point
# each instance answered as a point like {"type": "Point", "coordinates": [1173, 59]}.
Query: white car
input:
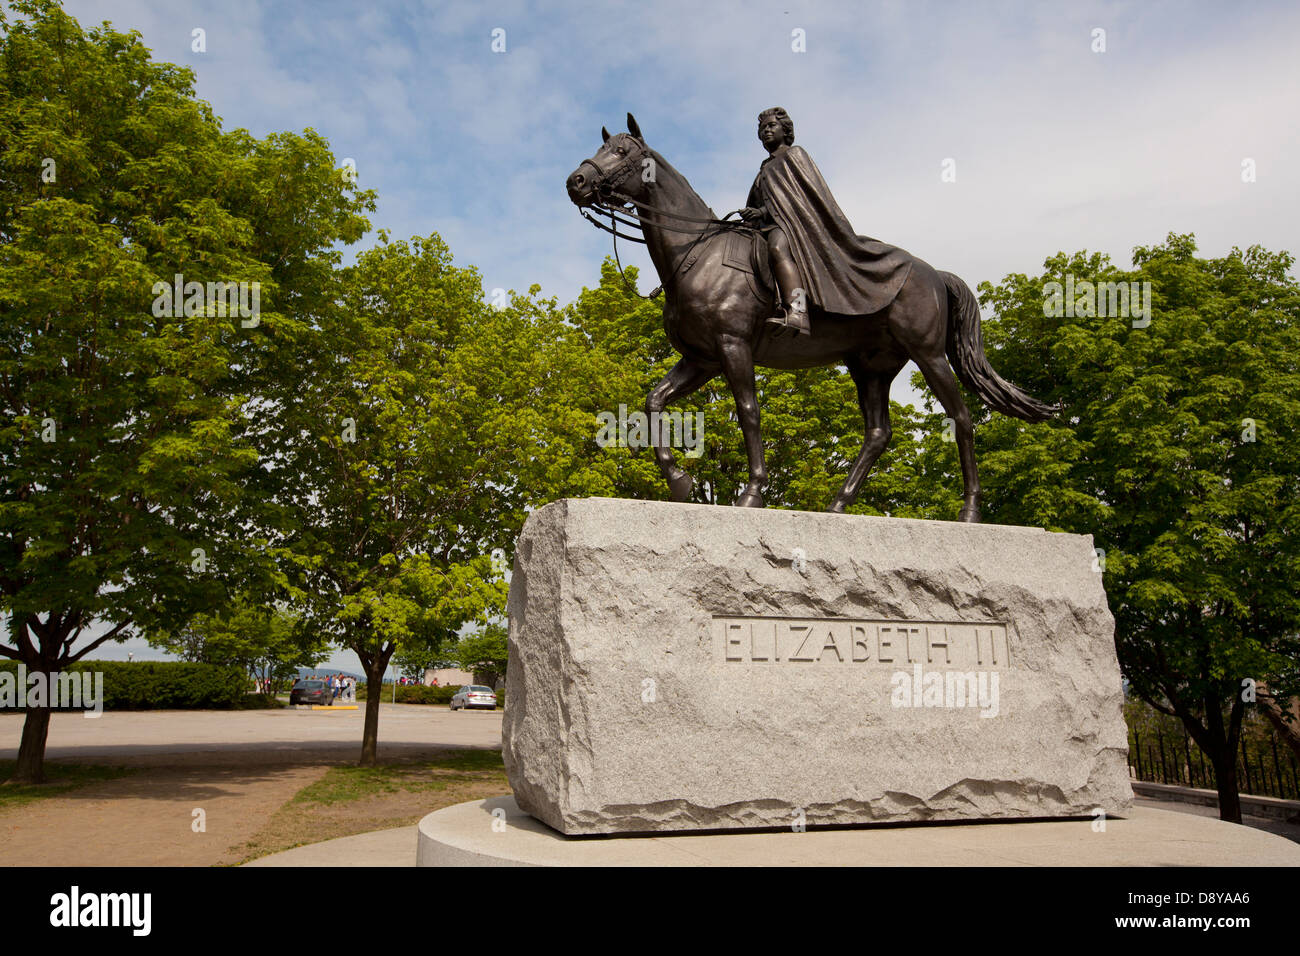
{"type": "Point", "coordinates": [475, 695]}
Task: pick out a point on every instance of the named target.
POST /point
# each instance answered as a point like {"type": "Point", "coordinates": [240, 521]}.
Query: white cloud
{"type": "Point", "coordinates": [1057, 147]}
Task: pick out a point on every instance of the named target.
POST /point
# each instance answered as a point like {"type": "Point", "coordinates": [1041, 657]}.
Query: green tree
{"type": "Point", "coordinates": [126, 428]}
{"type": "Point", "coordinates": [271, 643]}
{"type": "Point", "coordinates": [1177, 449]}
{"type": "Point", "coordinates": [483, 654]}
{"type": "Point", "coordinates": [405, 456]}
{"type": "Point", "coordinates": [412, 662]}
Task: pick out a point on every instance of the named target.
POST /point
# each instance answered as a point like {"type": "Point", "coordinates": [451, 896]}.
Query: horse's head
{"type": "Point", "coordinates": [614, 169]}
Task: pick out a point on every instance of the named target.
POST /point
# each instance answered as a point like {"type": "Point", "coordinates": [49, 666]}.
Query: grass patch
{"type": "Point", "coordinates": [346, 784]}
{"type": "Point", "coordinates": [60, 778]}
{"type": "Point", "coordinates": [348, 800]}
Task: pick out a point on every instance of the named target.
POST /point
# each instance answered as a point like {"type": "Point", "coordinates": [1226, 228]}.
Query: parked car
{"type": "Point", "coordinates": [311, 692]}
{"type": "Point", "coordinates": [474, 696]}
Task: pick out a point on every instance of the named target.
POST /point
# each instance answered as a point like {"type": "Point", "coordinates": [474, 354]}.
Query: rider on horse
{"type": "Point", "coordinates": [816, 256]}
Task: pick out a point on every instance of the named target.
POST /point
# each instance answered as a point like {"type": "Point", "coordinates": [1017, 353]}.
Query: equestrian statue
{"type": "Point", "coordinates": [791, 285]}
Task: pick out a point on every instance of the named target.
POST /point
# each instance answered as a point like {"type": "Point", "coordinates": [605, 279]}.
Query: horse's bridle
{"type": "Point", "coordinates": [606, 185]}
{"type": "Point", "coordinates": [607, 182]}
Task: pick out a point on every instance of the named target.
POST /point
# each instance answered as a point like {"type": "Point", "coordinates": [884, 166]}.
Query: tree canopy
{"type": "Point", "coordinates": [1176, 448]}
{"type": "Point", "coordinates": [126, 437]}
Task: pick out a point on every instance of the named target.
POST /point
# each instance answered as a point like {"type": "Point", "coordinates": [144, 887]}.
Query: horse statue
{"type": "Point", "coordinates": [717, 300]}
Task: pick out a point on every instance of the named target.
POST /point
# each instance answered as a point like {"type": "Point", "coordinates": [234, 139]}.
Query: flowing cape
{"type": "Point", "coordinates": [842, 272]}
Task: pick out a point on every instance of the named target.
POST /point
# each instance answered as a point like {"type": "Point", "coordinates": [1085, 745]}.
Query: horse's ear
{"type": "Point", "coordinates": [604, 134]}
{"type": "Point", "coordinates": [632, 127]}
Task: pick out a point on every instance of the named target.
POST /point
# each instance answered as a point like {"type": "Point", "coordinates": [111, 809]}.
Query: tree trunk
{"type": "Point", "coordinates": [374, 662]}
{"type": "Point", "coordinates": [49, 653]}
{"type": "Point", "coordinates": [1219, 739]}
{"type": "Point", "coordinates": [31, 752]}
{"type": "Point", "coordinates": [370, 731]}
{"type": "Point", "coordinates": [1225, 773]}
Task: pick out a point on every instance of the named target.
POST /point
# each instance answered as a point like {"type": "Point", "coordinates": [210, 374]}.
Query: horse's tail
{"type": "Point", "coordinates": [966, 353]}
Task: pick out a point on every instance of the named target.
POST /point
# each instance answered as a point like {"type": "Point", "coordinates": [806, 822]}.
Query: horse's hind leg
{"type": "Point", "coordinates": [938, 375]}
{"type": "Point", "coordinates": [872, 377]}
{"type": "Point", "coordinates": [684, 378]}
{"type": "Point", "coordinates": [918, 321]}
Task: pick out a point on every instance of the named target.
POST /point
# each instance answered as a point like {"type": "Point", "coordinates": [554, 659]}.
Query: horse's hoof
{"type": "Point", "coordinates": [749, 500]}
{"type": "Point", "coordinates": [969, 514]}
{"type": "Point", "coordinates": [837, 507]}
{"type": "Point", "coordinates": [679, 485]}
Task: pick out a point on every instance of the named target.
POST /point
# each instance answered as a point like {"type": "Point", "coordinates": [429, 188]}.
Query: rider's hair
{"type": "Point", "coordinates": [783, 118]}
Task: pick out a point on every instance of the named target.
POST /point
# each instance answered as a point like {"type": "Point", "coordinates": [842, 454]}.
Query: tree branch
{"type": "Point", "coordinates": [94, 644]}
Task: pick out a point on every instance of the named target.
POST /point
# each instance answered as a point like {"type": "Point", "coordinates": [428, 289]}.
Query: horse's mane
{"type": "Point", "coordinates": [663, 164]}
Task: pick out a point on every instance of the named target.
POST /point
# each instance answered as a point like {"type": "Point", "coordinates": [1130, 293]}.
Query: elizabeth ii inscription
{"type": "Point", "coordinates": [916, 645]}
{"type": "Point", "coordinates": [678, 667]}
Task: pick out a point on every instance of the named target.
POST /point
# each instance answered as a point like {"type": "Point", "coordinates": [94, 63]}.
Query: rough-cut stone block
{"type": "Point", "coordinates": [686, 667]}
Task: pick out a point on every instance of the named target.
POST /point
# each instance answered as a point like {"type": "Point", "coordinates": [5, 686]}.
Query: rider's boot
{"type": "Point", "coordinates": [795, 314]}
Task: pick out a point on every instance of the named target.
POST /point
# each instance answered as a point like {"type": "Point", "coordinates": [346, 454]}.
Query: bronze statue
{"type": "Point", "coordinates": [869, 306]}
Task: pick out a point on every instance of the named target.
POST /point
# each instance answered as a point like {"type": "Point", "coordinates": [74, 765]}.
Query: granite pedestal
{"type": "Point", "coordinates": [686, 667]}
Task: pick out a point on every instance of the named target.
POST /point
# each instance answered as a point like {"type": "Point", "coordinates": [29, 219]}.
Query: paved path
{"type": "Point", "coordinates": [395, 847]}
{"type": "Point", "coordinates": [1279, 827]}
{"type": "Point", "coordinates": [191, 737]}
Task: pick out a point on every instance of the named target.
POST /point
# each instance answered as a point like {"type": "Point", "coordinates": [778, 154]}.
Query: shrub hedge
{"type": "Point", "coordinates": [162, 685]}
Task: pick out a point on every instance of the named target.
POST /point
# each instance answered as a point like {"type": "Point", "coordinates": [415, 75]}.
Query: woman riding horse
{"type": "Point", "coordinates": [816, 255]}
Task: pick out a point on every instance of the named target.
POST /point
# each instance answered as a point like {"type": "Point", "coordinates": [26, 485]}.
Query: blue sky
{"type": "Point", "coordinates": [1056, 147]}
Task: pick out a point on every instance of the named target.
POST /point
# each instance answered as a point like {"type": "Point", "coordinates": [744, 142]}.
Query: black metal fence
{"type": "Point", "coordinates": [1161, 751]}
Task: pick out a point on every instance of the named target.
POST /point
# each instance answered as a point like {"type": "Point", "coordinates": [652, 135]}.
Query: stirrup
{"type": "Point", "coordinates": [788, 318]}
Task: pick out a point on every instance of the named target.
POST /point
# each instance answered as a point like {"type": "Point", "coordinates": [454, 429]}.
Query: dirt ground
{"type": "Point", "coordinates": [147, 817]}
{"type": "Point", "coordinates": [241, 770]}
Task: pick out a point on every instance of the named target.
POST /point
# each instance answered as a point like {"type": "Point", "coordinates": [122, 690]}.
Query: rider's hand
{"type": "Point", "coordinates": [749, 212]}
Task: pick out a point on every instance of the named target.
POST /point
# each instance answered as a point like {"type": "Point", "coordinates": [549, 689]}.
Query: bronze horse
{"type": "Point", "coordinates": [715, 317]}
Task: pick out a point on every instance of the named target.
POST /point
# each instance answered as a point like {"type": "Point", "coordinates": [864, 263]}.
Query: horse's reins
{"type": "Point", "coordinates": [625, 169]}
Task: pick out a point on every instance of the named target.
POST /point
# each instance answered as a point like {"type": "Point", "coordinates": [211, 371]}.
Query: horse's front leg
{"type": "Point", "coordinates": [738, 367]}
{"type": "Point", "coordinates": [684, 378]}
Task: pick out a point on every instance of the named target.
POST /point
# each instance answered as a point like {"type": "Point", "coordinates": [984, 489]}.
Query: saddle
{"type": "Point", "coordinates": [747, 252]}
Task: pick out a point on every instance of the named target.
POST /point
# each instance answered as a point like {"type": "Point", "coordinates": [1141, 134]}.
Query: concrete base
{"type": "Point", "coordinates": [496, 832]}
